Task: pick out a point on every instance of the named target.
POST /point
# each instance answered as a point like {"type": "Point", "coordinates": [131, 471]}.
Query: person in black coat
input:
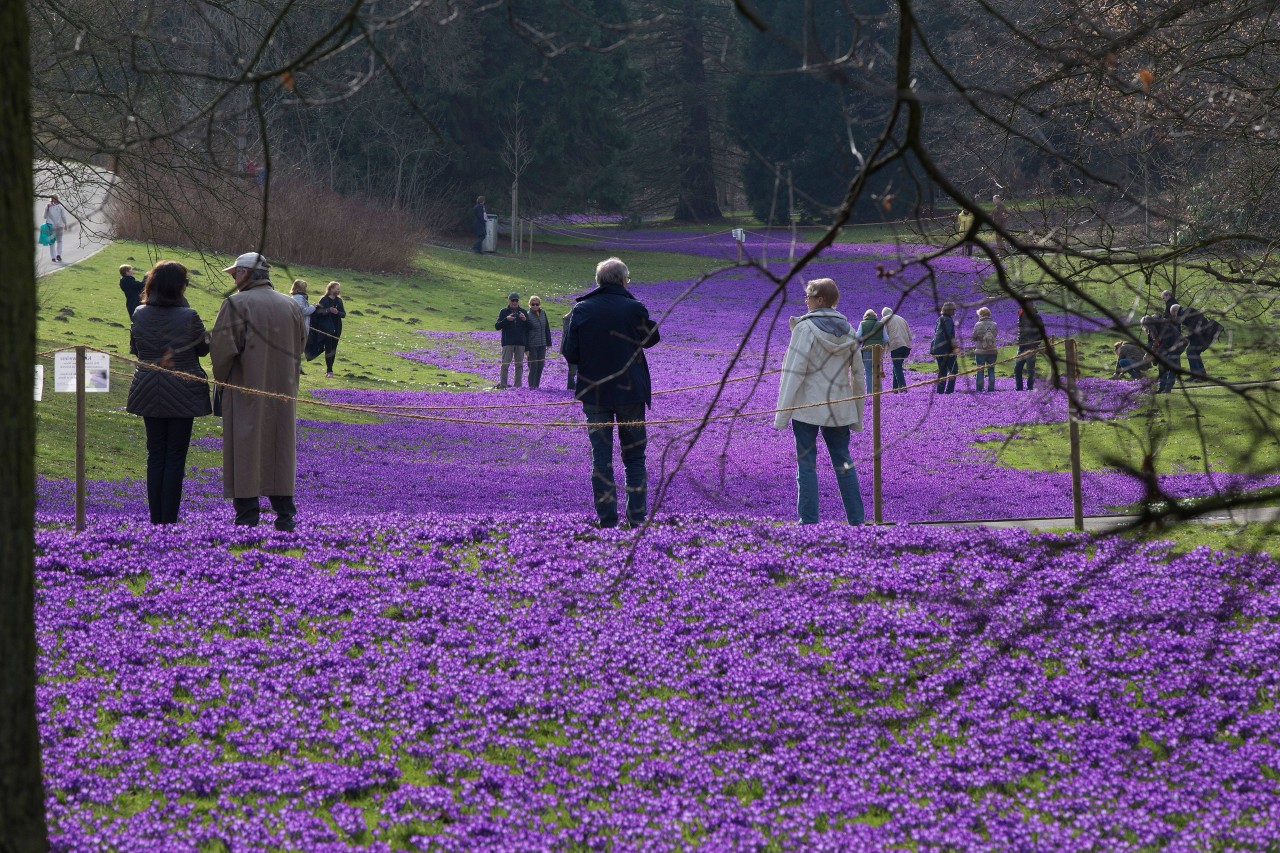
{"type": "Point", "coordinates": [608, 334]}
{"type": "Point", "coordinates": [1030, 341]}
{"type": "Point", "coordinates": [326, 326]}
{"type": "Point", "coordinates": [132, 289]}
{"type": "Point", "coordinates": [1166, 344]}
{"type": "Point", "coordinates": [1201, 332]}
{"type": "Point", "coordinates": [479, 224]}
{"type": "Point", "coordinates": [170, 335]}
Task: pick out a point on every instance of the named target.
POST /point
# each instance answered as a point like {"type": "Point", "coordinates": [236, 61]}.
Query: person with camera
{"type": "Point", "coordinates": [513, 322]}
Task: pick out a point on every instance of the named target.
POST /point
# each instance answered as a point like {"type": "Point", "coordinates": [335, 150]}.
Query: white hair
{"type": "Point", "coordinates": [886, 313]}
{"type": "Point", "coordinates": [612, 271]}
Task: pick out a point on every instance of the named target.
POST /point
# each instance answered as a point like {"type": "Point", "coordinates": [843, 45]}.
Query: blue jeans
{"type": "Point", "coordinates": [1194, 363]}
{"type": "Point", "coordinates": [866, 368]}
{"type": "Point", "coordinates": [632, 440]}
{"type": "Point", "coordinates": [899, 356]}
{"type": "Point", "coordinates": [837, 440]}
{"type": "Point", "coordinates": [947, 370]}
{"type": "Point", "coordinates": [1128, 364]}
{"type": "Point", "coordinates": [989, 361]}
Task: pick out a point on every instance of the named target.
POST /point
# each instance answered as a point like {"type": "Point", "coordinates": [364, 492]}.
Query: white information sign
{"type": "Point", "coordinates": [97, 372]}
{"type": "Point", "coordinates": [39, 382]}
{"type": "Point", "coordinates": [740, 235]}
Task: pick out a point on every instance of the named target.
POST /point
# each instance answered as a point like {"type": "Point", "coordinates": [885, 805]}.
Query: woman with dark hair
{"type": "Point", "coordinates": [169, 388]}
{"type": "Point", "coordinates": [944, 348]}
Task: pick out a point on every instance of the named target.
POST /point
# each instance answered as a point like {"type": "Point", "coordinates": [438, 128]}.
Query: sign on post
{"type": "Point", "coordinates": [39, 382]}
{"type": "Point", "coordinates": [97, 372]}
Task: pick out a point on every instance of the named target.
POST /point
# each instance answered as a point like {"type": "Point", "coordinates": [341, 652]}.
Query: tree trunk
{"type": "Point", "coordinates": [22, 827]}
{"type": "Point", "coordinates": [697, 193]}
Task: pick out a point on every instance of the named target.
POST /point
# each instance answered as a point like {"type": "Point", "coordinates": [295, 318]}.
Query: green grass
{"type": "Point", "coordinates": [1205, 428]}
{"type": "Point", "coordinates": [454, 291]}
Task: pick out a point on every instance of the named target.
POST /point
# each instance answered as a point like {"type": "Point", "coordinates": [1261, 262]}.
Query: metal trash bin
{"type": "Point", "coordinates": [490, 243]}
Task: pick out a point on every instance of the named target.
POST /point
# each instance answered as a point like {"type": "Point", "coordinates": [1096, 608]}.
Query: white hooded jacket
{"type": "Point", "coordinates": [818, 372]}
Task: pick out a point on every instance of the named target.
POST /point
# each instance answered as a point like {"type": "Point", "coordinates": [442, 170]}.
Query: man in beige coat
{"type": "Point", "coordinates": [257, 343]}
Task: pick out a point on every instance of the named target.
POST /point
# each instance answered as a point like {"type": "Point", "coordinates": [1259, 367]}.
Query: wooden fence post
{"type": "Point", "coordinates": [80, 443]}
{"type": "Point", "coordinates": [877, 481]}
{"type": "Point", "coordinates": [1073, 426]}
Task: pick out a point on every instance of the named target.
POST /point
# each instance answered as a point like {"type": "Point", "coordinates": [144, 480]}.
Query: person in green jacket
{"type": "Point", "coordinates": [870, 333]}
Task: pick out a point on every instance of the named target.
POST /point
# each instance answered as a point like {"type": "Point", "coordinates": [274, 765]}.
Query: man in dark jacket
{"type": "Point", "coordinates": [513, 322]}
{"type": "Point", "coordinates": [1201, 332]}
{"type": "Point", "coordinates": [607, 336]}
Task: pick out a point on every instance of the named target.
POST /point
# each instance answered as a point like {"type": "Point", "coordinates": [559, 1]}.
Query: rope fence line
{"type": "Point", "coordinates": [413, 415]}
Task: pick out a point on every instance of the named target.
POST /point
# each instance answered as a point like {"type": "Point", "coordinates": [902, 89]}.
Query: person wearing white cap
{"type": "Point", "coordinates": [257, 351]}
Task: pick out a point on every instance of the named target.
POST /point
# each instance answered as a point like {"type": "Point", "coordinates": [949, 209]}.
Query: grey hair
{"type": "Point", "coordinates": [259, 275]}
{"type": "Point", "coordinates": [612, 271]}
{"type": "Point", "coordinates": [886, 313]}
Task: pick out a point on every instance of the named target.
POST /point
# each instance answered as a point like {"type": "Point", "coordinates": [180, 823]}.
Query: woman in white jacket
{"type": "Point", "coordinates": [818, 375]}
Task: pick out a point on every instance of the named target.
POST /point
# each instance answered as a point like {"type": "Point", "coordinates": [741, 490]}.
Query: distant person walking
{"type": "Point", "coordinates": [871, 333]}
{"type": "Point", "coordinates": [257, 344]}
{"type": "Point", "coordinates": [1000, 218]}
{"type": "Point", "coordinates": [513, 323]}
{"type": "Point", "coordinates": [1169, 301]}
{"type": "Point", "coordinates": [945, 348]}
{"type": "Point", "coordinates": [818, 375]}
{"type": "Point", "coordinates": [479, 224]}
{"type": "Point", "coordinates": [607, 337]}
{"type": "Point", "coordinates": [167, 334]}
{"type": "Point", "coordinates": [899, 335]}
{"type": "Point", "coordinates": [964, 222]}
{"type": "Point", "coordinates": [564, 331]}
{"type": "Point", "coordinates": [326, 326]}
{"type": "Point", "coordinates": [537, 340]}
{"type": "Point", "coordinates": [985, 348]}
{"type": "Point", "coordinates": [1030, 339]}
{"type": "Point", "coordinates": [132, 290]}
{"type": "Point", "coordinates": [56, 215]}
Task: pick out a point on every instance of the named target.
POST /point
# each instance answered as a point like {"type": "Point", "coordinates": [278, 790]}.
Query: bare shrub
{"type": "Point", "coordinates": [307, 224]}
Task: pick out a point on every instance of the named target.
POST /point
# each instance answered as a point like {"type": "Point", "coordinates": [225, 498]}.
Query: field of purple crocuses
{"type": "Point", "coordinates": [447, 655]}
{"type": "Point", "coordinates": [525, 682]}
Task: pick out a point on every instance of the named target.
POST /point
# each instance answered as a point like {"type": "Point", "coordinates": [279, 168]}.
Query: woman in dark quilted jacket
{"type": "Point", "coordinates": [170, 335]}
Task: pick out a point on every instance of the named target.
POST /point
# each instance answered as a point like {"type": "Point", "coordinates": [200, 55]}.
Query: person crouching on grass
{"type": "Point", "coordinates": [818, 375]}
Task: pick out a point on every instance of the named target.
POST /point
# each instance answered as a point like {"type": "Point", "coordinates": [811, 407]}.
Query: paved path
{"type": "Point", "coordinates": [82, 189]}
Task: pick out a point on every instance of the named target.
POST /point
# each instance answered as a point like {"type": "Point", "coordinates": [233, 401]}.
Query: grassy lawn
{"type": "Point", "coordinates": [1198, 427]}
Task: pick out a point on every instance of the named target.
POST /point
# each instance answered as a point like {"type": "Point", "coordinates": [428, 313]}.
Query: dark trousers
{"type": "Point", "coordinates": [537, 361]}
{"type": "Point", "coordinates": [1195, 363]}
{"type": "Point", "coordinates": [330, 351]}
{"type": "Point", "coordinates": [1025, 364]}
{"type": "Point", "coordinates": [899, 355]}
{"type": "Point", "coordinates": [632, 438]}
{"type": "Point", "coordinates": [1169, 364]}
{"type": "Point", "coordinates": [167, 443]}
{"type": "Point", "coordinates": [248, 511]}
{"type": "Point", "coordinates": [948, 367]}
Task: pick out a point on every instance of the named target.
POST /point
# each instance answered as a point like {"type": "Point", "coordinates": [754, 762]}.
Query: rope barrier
{"type": "Point", "coordinates": [370, 410]}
